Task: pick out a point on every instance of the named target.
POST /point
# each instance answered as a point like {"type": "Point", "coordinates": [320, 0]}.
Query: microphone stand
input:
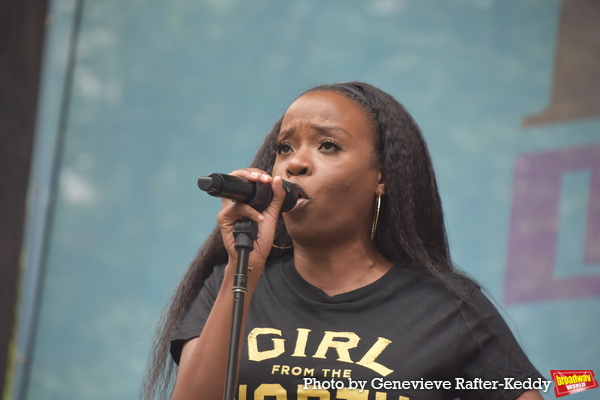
{"type": "Point", "coordinates": [245, 233]}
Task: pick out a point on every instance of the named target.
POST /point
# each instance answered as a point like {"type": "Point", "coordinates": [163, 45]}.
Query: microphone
{"type": "Point", "coordinates": [256, 194]}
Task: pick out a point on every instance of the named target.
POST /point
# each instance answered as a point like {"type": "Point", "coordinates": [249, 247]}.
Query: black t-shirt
{"type": "Point", "coordinates": [403, 330]}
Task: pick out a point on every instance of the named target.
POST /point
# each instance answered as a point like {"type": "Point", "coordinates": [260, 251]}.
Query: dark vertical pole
{"type": "Point", "coordinates": [22, 27]}
{"type": "Point", "coordinates": [29, 312]}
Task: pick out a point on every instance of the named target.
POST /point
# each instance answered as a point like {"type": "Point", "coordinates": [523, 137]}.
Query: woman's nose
{"type": "Point", "coordinates": [299, 164]}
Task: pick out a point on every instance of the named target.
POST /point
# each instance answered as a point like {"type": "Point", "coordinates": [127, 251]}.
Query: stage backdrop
{"type": "Point", "coordinates": [139, 98]}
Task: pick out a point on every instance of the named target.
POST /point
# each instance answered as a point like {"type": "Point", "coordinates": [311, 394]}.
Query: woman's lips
{"type": "Point", "coordinates": [301, 201]}
{"type": "Point", "coordinates": [302, 196]}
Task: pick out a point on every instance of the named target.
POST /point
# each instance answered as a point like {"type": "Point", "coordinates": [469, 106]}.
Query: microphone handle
{"type": "Point", "coordinates": [256, 194]}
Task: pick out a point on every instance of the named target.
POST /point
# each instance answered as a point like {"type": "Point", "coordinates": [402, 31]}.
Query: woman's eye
{"type": "Point", "coordinates": [328, 145]}
{"type": "Point", "coordinates": [283, 148]}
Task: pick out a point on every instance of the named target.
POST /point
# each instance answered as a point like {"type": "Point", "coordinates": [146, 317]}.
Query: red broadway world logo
{"type": "Point", "coordinates": [572, 381]}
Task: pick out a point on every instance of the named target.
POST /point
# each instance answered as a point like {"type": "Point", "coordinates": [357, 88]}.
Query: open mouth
{"type": "Point", "coordinates": [302, 196]}
{"type": "Point", "coordinates": [301, 193]}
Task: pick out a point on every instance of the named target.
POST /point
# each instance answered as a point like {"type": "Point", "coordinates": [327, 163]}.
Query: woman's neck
{"type": "Point", "coordinates": [340, 269]}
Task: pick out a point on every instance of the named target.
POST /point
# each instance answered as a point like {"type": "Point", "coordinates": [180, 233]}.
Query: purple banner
{"type": "Point", "coordinates": [534, 226]}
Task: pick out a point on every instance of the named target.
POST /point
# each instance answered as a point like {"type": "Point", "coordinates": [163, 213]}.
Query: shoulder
{"type": "Point", "coordinates": [213, 281]}
{"type": "Point", "coordinates": [445, 284]}
{"type": "Point", "coordinates": [451, 294]}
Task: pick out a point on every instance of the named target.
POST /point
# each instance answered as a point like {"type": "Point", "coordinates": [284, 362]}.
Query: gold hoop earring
{"type": "Point", "coordinates": [282, 247]}
{"type": "Point", "coordinates": [376, 216]}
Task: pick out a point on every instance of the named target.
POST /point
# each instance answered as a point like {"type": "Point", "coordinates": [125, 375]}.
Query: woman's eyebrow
{"type": "Point", "coordinates": [284, 134]}
{"type": "Point", "coordinates": [322, 129]}
{"type": "Point", "coordinates": [327, 129]}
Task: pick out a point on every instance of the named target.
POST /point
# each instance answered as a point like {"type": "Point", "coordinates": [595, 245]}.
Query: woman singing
{"type": "Point", "coordinates": [352, 293]}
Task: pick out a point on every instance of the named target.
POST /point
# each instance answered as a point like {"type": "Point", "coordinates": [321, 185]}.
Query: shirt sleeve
{"type": "Point", "coordinates": [194, 321]}
{"type": "Point", "coordinates": [490, 352]}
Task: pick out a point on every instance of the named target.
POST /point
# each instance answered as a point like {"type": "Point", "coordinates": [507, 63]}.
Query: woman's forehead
{"type": "Point", "coordinates": [323, 106]}
{"type": "Point", "coordinates": [329, 109]}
